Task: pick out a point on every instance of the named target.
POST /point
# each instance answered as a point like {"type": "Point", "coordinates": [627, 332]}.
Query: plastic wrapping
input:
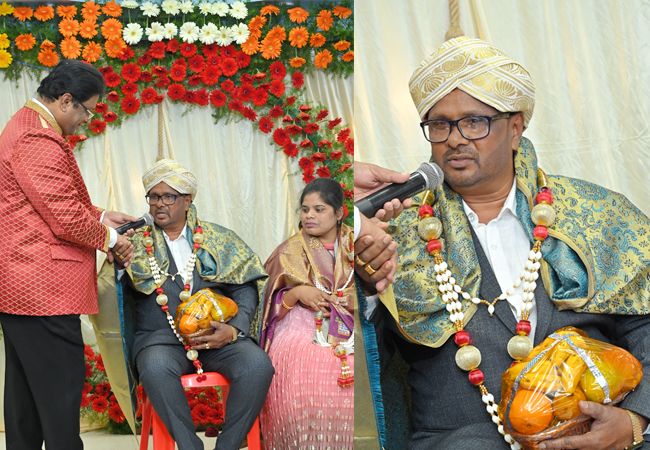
{"type": "Point", "coordinates": [193, 316]}
{"type": "Point", "coordinates": [540, 395]}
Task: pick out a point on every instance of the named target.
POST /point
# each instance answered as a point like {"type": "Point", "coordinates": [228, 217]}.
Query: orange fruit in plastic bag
{"type": "Point", "coordinates": [531, 412]}
{"type": "Point", "coordinates": [565, 405]}
{"type": "Point", "coordinates": [188, 324]}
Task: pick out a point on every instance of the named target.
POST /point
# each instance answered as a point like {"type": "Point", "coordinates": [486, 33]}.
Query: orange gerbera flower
{"type": "Point", "coordinates": [70, 48]}
{"type": "Point", "coordinates": [67, 12]}
{"type": "Point", "coordinates": [88, 29]}
{"type": "Point", "coordinates": [48, 58]}
{"type": "Point", "coordinates": [298, 37]}
{"type": "Point", "coordinates": [251, 46]}
{"type": "Point", "coordinates": [322, 59]}
{"type": "Point", "coordinates": [111, 29]}
{"type": "Point", "coordinates": [47, 45]}
{"type": "Point", "coordinates": [112, 9]}
{"type": "Point", "coordinates": [317, 40]}
{"type": "Point", "coordinates": [255, 25]}
{"type": "Point", "coordinates": [114, 47]}
{"type": "Point", "coordinates": [23, 13]}
{"type": "Point", "coordinates": [270, 9]}
{"type": "Point", "coordinates": [68, 27]}
{"type": "Point", "coordinates": [91, 11]}
{"type": "Point", "coordinates": [324, 20]}
{"type": "Point", "coordinates": [277, 33]}
{"type": "Point", "coordinates": [342, 45]}
{"type": "Point", "coordinates": [297, 62]}
{"type": "Point", "coordinates": [298, 15]}
{"type": "Point", "coordinates": [25, 41]}
{"type": "Point", "coordinates": [270, 48]}
{"type": "Point", "coordinates": [92, 52]}
{"type": "Point", "coordinates": [349, 56]}
{"type": "Point", "coordinates": [342, 12]}
{"type": "Point", "coordinates": [44, 13]}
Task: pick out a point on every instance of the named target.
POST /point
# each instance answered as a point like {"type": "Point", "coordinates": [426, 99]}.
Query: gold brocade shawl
{"type": "Point", "coordinates": [595, 260]}
{"type": "Point", "coordinates": [302, 258]}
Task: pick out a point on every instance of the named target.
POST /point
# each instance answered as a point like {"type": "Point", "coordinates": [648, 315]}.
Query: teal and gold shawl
{"type": "Point", "coordinates": [595, 260]}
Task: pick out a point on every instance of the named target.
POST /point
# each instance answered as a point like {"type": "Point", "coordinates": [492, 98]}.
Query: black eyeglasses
{"type": "Point", "coordinates": [89, 112]}
{"type": "Point", "coordinates": [472, 127]}
{"type": "Point", "coordinates": [167, 199]}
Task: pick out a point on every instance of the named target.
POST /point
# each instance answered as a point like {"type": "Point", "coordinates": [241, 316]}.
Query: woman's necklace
{"type": "Point", "coordinates": [186, 273]}
{"type": "Point", "coordinates": [468, 357]}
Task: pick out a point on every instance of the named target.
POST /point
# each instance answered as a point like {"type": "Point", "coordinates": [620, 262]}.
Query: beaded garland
{"type": "Point", "coordinates": [468, 357]}
{"type": "Point", "coordinates": [185, 295]}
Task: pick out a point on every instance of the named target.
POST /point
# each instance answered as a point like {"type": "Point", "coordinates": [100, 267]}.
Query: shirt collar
{"type": "Point", "coordinates": [181, 236]}
{"type": "Point", "coordinates": [510, 206]}
{"type": "Point", "coordinates": [43, 106]}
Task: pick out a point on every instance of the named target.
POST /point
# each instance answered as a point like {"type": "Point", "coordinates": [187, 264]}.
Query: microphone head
{"type": "Point", "coordinates": [148, 219]}
{"type": "Point", "coordinates": [432, 173]}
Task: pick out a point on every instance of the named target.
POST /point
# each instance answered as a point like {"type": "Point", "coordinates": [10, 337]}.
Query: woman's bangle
{"type": "Point", "coordinates": [287, 306]}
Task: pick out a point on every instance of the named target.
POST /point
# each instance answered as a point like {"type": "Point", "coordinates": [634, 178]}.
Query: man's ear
{"type": "Point", "coordinates": [188, 202]}
{"type": "Point", "coordinates": [517, 129]}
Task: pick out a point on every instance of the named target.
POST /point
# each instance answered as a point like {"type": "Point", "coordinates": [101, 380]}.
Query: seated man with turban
{"type": "Point", "coordinates": [167, 260]}
{"type": "Point", "coordinates": [470, 240]}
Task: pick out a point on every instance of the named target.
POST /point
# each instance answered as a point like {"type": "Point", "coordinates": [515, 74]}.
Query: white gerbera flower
{"type": "Point", "coordinates": [149, 9]}
{"type": "Point", "coordinates": [205, 8]}
{"type": "Point", "coordinates": [224, 36]}
{"type": "Point", "coordinates": [171, 31]}
{"type": "Point", "coordinates": [156, 32]}
{"type": "Point", "coordinates": [240, 33]}
{"type": "Point", "coordinates": [171, 7]}
{"type": "Point", "coordinates": [220, 8]}
{"type": "Point", "coordinates": [208, 33]}
{"type": "Point", "coordinates": [132, 33]}
{"type": "Point", "coordinates": [238, 10]}
{"type": "Point", "coordinates": [129, 4]}
{"type": "Point", "coordinates": [187, 7]}
{"type": "Point", "coordinates": [189, 32]}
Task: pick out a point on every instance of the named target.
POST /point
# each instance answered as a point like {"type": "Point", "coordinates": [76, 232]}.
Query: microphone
{"type": "Point", "coordinates": [428, 176]}
{"type": "Point", "coordinates": [147, 219]}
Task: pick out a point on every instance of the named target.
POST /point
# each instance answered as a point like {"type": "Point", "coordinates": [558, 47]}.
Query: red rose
{"type": "Point", "coordinates": [110, 116]}
{"type": "Point", "coordinates": [277, 88]}
{"type": "Point", "coordinates": [290, 149]}
{"type": "Point", "coordinates": [157, 50]}
{"type": "Point", "coordinates": [308, 176]}
{"type": "Point", "coordinates": [188, 50]}
{"type": "Point", "coordinates": [113, 96]}
{"type": "Point", "coordinates": [97, 126]}
{"type": "Point", "coordinates": [323, 172]}
{"type": "Point", "coordinates": [332, 123]}
{"type": "Point", "coordinates": [266, 125]}
{"type": "Point", "coordinates": [280, 136]}
{"type": "Point", "coordinates": [218, 98]}
{"type": "Point", "coordinates": [322, 114]}
{"type": "Point", "coordinates": [276, 112]}
{"type": "Point", "coordinates": [173, 46]}
{"type": "Point", "coordinates": [130, 104]}
{"type": "Point", "coordinates": [144, 59]}
{"type": "Point", "coordinates": [306, 163]}
{"type": "Point", "coordinates": [196, 63]}
{"type": "Point", "coordinates": [112, 79]}
{"type": "Point", "coordinates": [229, 67]}
{"type": "Point", "coordinates": [349, 146]}
{"type": "Point", "coordinates": [100, 108]}
{"type": "Point", "coordinates": [175, 91]}
{"type": "Point", "coordinates": [298, 80]}
{"type": "Point", "coordinates": [278, 71]}
{"type": "Point", "coordinates": [212, 432]}
{"type": "Point", "coordinates": [259, 97]}
{"type": "Point", "coordinates": [318, 157]}
{"type": "Point", "coordinates": [310, 128]}
{"type": "Point", "coordinates": [343, 135]}
{"type": "Point", "coordinates": [243, 60]}
{"type": "Point", "coordinates": [148, 95]}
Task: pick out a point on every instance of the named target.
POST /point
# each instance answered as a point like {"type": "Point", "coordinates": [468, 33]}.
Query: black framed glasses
{"type": "Point", "coordinates": [89, 112]}
{"type": "Point", "coordinates": [167, 199]}
{"type": "Point", "coordinates": [472, 127]}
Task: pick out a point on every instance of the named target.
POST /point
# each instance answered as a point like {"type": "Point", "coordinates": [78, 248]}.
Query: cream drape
{"type": "Point", "coordinates": [588, 59]}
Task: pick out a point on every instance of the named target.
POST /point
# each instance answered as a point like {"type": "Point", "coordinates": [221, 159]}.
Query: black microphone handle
{"type": "Point", "coordinates": [374, 202]}
{"type": "Point", "coordinates": [127, 226]}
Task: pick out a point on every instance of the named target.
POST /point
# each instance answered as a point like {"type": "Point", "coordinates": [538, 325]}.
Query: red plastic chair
{"type": "Point", "coordinates": [161, 438]}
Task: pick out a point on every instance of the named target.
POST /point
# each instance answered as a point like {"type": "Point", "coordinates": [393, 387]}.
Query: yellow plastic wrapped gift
{"type": "Point", "coordinates": [193, 316]}
{"type": "Point", "coordinates": [540, 395]}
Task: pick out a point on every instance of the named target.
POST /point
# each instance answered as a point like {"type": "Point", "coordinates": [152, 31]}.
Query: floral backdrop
{"type": "Point", "coordinates": [245, 61]}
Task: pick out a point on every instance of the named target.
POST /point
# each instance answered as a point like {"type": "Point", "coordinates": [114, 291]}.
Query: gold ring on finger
{"type": "Point", "coordinates": [359, 261]}
{"type": "Point", "coordinates": [370, 270]}
{"type": "Point", "coordinates": [119, 255]}
{"type": "Point", "coordinates": [207, 346]}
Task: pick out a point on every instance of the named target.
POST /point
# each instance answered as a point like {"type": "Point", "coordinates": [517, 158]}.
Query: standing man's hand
{"type": "Point", "coordinates": [369, 178]}
{"type": "Point", "coordinates": [374, 247]}
{"type": "Point", "coordinates": [116, 219]}
{"type": "Point", "coordinates": [122, 252]}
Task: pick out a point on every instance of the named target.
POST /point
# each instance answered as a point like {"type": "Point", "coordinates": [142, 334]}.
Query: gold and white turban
{"type": "Point", "coordinates": [478, 69]}
{"type": "Point", "coordinates": [172, 174]}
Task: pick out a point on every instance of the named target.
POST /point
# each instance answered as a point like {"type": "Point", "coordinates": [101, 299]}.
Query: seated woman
{"type": "Point", "coordinates": [311, 400]}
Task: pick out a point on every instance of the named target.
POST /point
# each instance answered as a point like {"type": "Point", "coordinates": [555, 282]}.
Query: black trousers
{"type": "Point", "coordinates": [44, 377]}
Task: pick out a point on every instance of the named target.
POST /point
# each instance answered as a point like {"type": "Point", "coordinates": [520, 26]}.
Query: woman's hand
{"type": "Point", "coordinates": [310, 297]}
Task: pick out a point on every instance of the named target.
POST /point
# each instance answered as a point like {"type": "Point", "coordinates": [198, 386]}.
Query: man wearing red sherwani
{"type": "Point", "coordinates": [51, 232]}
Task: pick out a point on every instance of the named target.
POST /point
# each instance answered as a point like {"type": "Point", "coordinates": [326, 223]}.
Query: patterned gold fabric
{"type": "Point", "coordinates": [595, 259]}
{"type": "Point", "coordinates": [477, 68]}
{"type": "Point", "coordinates": [172, 174]}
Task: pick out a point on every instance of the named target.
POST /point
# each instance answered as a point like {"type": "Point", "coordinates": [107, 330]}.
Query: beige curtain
{"type": "Point", "coordinates": [588, 59]}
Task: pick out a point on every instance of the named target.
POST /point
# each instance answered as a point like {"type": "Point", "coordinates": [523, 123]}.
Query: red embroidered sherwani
{"type": "Point", "coordinates": [50, 229]}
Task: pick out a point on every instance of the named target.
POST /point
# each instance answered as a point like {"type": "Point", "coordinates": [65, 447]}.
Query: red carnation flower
{"type": "Point", "coordinates": [287, 119]}
{"type": "Point", "coordinates": [211, 75]}
{"type": "Point", "coordinates": [177, 73]}
{"type": "Point", "coordinates": [144, 59]}
{"type": "Point", "coordinates": [308, 176]}
{"type": "Point", "coordinates": [264, 86]}
{"type": "Point", "coordinates": [129, 88]}
{"type": "Point", "coordinates": [276, 111]}
{"type": "Point", "coordinates": [306, 163]}
{"type": "Point", "coordinates": [175, 91]}
{"type": "Point", "coordinates": [157, 50]}
{"type": "Point", "coordinates": [290, 149]}
{"type": "Point", "coordinates": [163, 82]}
{"type": "Point", "coordinates": [188, 50]}
{"type": "Point", "coordinates": [196, 63]}
{"type": "Point", "coordinates": [304, 108]}
{"type": "Point", "coordinates": [127, 53]}
{"type": "Point", "coordinates": [218, 98]}
{"type": "Point", "coordinates": [130, 104]}
{"type": "Point", "coordinates": [324, 143]}
{"type": "Point", "coordinates": [115, 413]}
{"type": "Point", "coordinates": [110, 116]}
{"type": "Point", "coordinates": [280, 136]}
{"type": "Point", "coordinates": [266, 125]}
{"type": "Point", "coordinates": [259, 97]}
{"type": "Point", "coordinates": [246, 79]}
{"type": "Point", "coordinates": [194, 80]}
{"type": "Point", "coordinates": [181, 62]}
{"type": "Point", "coordinates": [210, 49]}
{"type": "Point", "coordinates": [303, 116]}
{"type": "Point", "coordinates": [131, 72]}
{"type": "Point", "coordinates": [173, 46]}
{"type": "Point", "coordinates": [212, 432]}
{"type": "Point", "coordinates": [290, 100]}
{"type": "Point", "coordinates": [159, 71]}
{"type": "Point", "coordinates": [229, 51]}
{"type": "Point", "coordinates": [97, 126]}
{"type": "Point", "coordinates": [349, 146]}
{"type": "Point", "coordinates": [309, 128]}
{"type": "Point", "coordinates": [113, 96]}
{"type": "Point", "coordinates": [100, 108]}
{"type": "Point", "coordinates": [323, 172]}
{"type": "Point", "coordinates": [243, 60]}
{"type": "Point", "coordinates": [249, 114]}
{"type": "Point", "coordinates": [112, 79]}
{"type": "Point", "coordinates": [293, 129]}
{"type": "Point", "coordinates": [322, 114]}
{"type": "Point", "coordinates": [148, 95]}
{"type": "Point", "coordinates": [228, 67]}
{"type": "Point", "coordinates": [336, 154]}
{"type": "Point", "coordinates": [306, 144]}
{"type": "Point", "coordinates": [332, 123]}
{"type": "Point", "coordinates": [278, 71]}
{"type": "Point", "coordinates": [245, 92]}
{"type": "Point", "coordinates": [277, 88]}
{"type": "Point", "coordinates": [105, 70]}
{"type": "Point", "coordinates": [259, 76]}
{"type": "Point", "coordinates": [343, 135]}
{"type": "Point", "coordinates": [318, 157]}
{"type": "Point", "coordinates": [227, 86]}
{"type": "Point", "coordinates": [100, 404]}
{"type": "Point", "coordinates": [344, 168]}
{"type": "Point", "coordinates": [298, 80]}
{"type": "Point", "coordinates": [146, 76]}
